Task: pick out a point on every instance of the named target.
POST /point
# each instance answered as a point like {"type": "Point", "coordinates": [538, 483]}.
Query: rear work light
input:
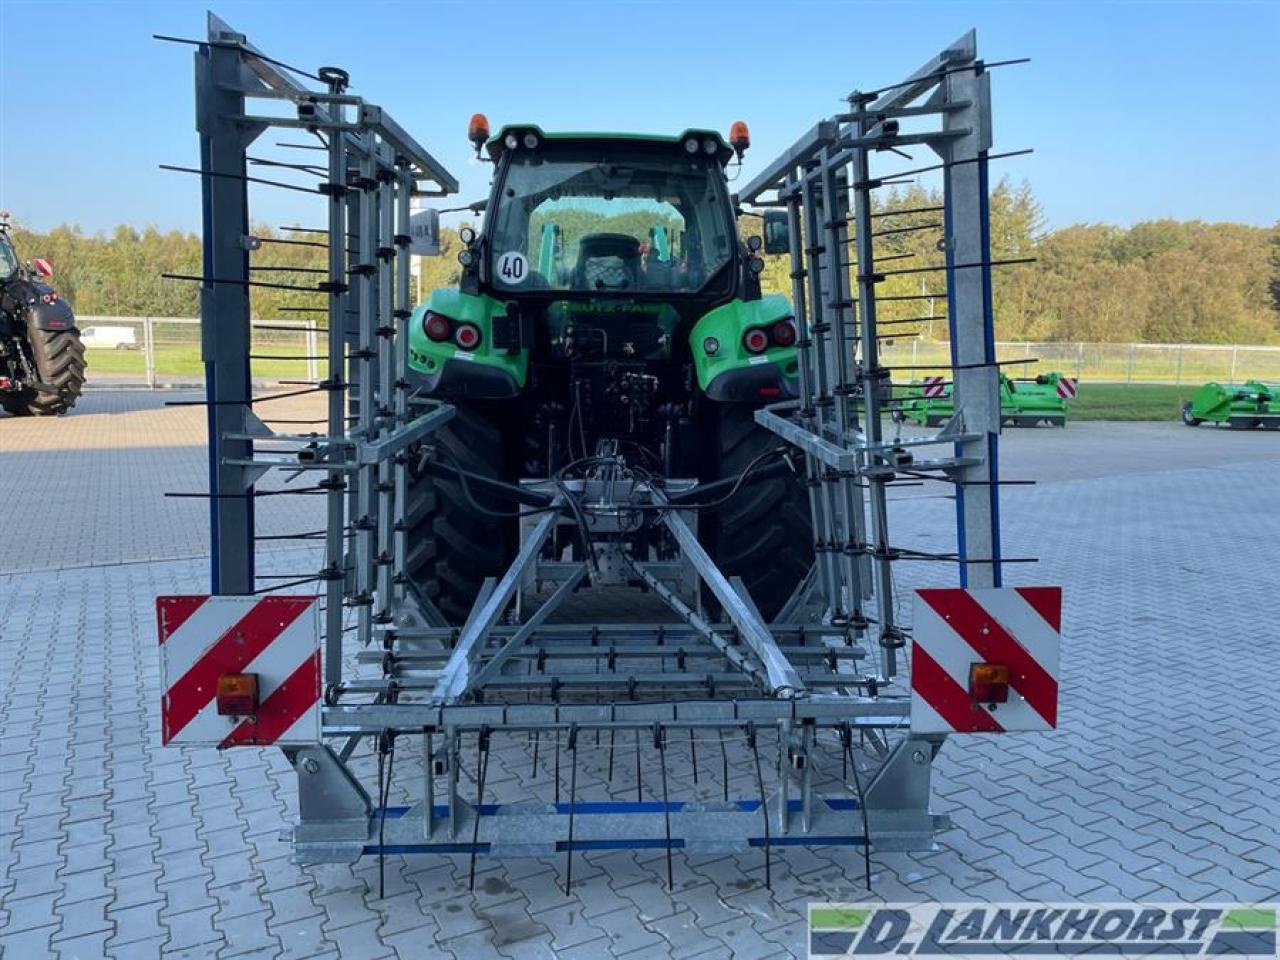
{"type": "Point", "coordinates": [755, 340]}
{"type": "Point", "coordinates": [783, 333]}
{"type": "Point", "coordinates": [467, 336]}
{"type": "Point", "coordinates": [438, 328]}
{"type": "Point", "coordinates": [989, 683]}
{"type": "Point", "coordinates": [237, 694]}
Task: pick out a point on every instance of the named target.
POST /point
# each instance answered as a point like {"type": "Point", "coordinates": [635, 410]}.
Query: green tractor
{"type": "Point", "coordinates": [1240, 406]}
{"type": "Point", "coordinates": [607, 309]}
{"type": "Point", "coordinates": [1024, 402]}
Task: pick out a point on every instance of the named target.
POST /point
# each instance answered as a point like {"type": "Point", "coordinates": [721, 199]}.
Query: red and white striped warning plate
{"type": "Point", "coordinates": [1017, 627]}
{"type": "Point", "coordinates": [42, 267]}
{"type": "Point", "coordinates": [204, 637]}
{"type": "Point", "coordinates": [1067, 387]}
{"type": "Point", "coordinates": [935, 387]}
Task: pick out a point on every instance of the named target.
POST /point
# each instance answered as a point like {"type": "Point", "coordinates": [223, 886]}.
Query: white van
{"type": "Point", "coordinates": [110, 338]}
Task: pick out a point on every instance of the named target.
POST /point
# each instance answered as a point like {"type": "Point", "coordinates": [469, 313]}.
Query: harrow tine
{"type": "Point", "coordinates": [482, 762]}
{"type": "Point", "coordinates": [660, 741]}
{"type": "Point", "coordinates": [557, 766]}
{"type": "Point", "coordinates": [764, 805]}
{"type": "Point", "coordinates": [724, 763]}
{"type": "Point", "coordinates": [573, 796]}
{"type": "Point", "coordinates": [387, 754]}
{"type": "Point", "coordinates": [693, 756]}
{"type": "Point", "coordinates": [846, 736]}
{"type": "Point", "coordinates": [638, 777]}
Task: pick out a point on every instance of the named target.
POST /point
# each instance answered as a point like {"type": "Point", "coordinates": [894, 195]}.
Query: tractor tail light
{"type": "Point", "coordinates": [438, 327]}
{"type": "Point", "coordinates": [989, 683]}
{"type": "Point", "coordinates": [467, 336]}
{"type": "Point", "coordinates": [784, 333]}
{"type": "Point", "coordinates": [237, 694]}
{"type": "Point", "coordinates": [755, 340]}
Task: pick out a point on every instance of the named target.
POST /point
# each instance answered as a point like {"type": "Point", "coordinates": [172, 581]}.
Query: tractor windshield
{"type": "Point", "coordinates": [576, 222]}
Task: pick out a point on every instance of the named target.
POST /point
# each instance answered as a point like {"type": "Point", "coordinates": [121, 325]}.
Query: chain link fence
{"type": "Point", "coordinates": [159, 352]}
{"type": "Point", "coordinates": [165, 352]}
{"type": "Point", "coordinates": [1176, 363]}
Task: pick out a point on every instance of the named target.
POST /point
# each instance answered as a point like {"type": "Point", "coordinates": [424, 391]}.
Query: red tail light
{"type": "Point", "coordinates": [467, 336]}
{"type": "Point", "coordinates": [784, 333]}
{"type": "Point", "coordinates": [989, 683]}
{"type": "Point", "coordinates": [438, 327]}
{"type": "Point", "coordinates": [755, 340]}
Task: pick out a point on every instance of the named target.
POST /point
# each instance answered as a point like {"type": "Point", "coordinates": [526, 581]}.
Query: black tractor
{"type": "Point", "coordinates": [41, 357]}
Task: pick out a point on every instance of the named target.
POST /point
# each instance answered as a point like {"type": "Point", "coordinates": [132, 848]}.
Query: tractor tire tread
{"type": "Point", "coordinates": [763, 534]}
{"type": "Point", "coordinates": [452, 546]}
{"type": "Point", "coordinates": [59, 360]}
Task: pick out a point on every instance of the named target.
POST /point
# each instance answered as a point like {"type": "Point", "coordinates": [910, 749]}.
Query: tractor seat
{"type": "Point", "coordinates": [607, 261]}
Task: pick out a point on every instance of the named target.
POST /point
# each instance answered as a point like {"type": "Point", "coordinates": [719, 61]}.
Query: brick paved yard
{"type": "Point", "coordinates": [1163, 781]}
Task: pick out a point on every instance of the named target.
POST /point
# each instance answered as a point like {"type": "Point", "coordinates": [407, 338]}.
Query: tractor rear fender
{"type": "Point", "coordinates": [45, 309]}
{"type": "Point", "coordinates": [495, 367]}
{"type": "Point", "coordinates": [726, 366]}
{"type": "Point", "coordinates": [54, 315]}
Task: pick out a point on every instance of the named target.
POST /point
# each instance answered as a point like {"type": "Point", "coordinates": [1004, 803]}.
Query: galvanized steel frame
{"type": "Point", "coordinates": [792, 679]}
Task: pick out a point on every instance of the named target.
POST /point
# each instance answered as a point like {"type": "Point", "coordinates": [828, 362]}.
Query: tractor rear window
{"type": "Point", "coordinates": [611, 225]}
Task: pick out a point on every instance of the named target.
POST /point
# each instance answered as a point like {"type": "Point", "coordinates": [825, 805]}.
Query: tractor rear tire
{"type": "Point", "coordinates": [59, 362]}
{"type": "Point", "coordinates": [453, 546]}
{"type": "Point", "coordinates": [764, 533]}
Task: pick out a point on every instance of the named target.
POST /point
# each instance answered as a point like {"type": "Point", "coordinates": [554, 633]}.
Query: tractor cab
{"type": "Point", "coordinates": [591, 217]}
{"type": "Point", "coordinates": [610, 248]}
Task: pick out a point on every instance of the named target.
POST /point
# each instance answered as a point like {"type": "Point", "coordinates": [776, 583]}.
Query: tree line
{"type": "Point", "coordinates": [1162, 281]}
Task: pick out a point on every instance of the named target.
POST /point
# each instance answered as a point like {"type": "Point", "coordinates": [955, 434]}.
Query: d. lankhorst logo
{"type": "Point", "coordinates": [1043, 929]}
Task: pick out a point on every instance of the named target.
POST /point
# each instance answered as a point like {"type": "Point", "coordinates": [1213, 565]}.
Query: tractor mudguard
{"type": "Point", "coordinates": [50, 311]}
{"type": "Point", "coordinates": [475, 381]}
{"type": "Point", "coordinates": [752, 384]}
{"type": "Point", "coordinates": [488, 371]}
{"type": "Point", "coordinates": [38, 304]}
{"type": "Point", "coordinates": [728, 371]}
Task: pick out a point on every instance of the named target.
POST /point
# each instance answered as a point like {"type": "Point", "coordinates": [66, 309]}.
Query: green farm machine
{"type": "Point", "coordinates": [1240, 406]}
{"type": "Point", "coordinates": [1024, 402]}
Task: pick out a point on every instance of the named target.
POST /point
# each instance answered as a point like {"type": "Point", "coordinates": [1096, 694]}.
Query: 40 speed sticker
{"type": "Point", "coordinates": [513, 268]}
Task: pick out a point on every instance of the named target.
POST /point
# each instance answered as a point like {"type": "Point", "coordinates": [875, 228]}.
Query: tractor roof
{"type": "Point", "coordinates": [723, 151]}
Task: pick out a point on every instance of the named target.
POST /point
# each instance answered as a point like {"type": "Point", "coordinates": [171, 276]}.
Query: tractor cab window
{"type": "Point", "coordinates": [568, 222]}
{"type": "Point", "coordinates": [8, 260]}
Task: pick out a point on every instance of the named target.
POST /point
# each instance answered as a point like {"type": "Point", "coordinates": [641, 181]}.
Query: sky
{"type": "Point", "coordinates": [1134, 110]}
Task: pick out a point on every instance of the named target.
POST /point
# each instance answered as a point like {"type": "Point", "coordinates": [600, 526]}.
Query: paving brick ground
{"type": "Point", "coordinates": [1163, 781]}
{"type": "Point", "coordinates": [95, 483]}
